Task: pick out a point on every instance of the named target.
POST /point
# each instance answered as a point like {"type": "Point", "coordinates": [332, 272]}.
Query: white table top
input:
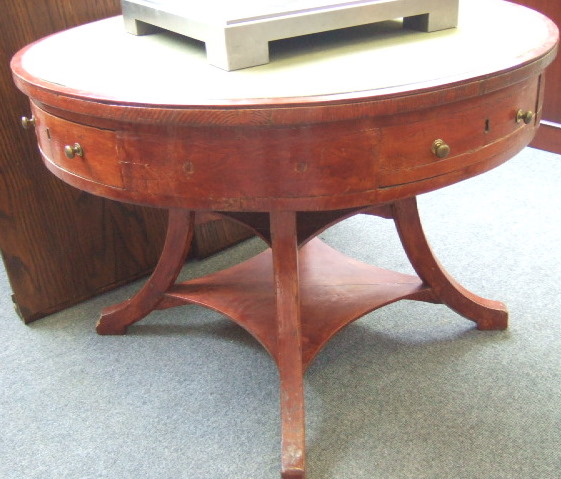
{"type": "Point", "coordinates": [102, 61]}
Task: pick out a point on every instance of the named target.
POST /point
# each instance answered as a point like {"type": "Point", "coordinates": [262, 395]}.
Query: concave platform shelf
{"type": "Point", "coordinates": [334, 291]}
{"type": "Point", "coordinates": [237, 34]}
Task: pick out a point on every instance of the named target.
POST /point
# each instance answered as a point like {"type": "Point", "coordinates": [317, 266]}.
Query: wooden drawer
{"type": "Point", "coordinates": [230, 163]}
{"type": "Point", "coordinates": [406, 149]}
{"type": "Point", "coordinates": [98, 160]}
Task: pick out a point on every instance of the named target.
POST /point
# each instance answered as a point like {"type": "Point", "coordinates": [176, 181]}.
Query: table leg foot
{"type": "Point", "coordinates": [488, 314]}
{"type": "Point", "coordinates": [293, 474]}
{"type": "Point", "coordinates": [115, 319]}
{"type": "Point", "coordinates": [289, 351]}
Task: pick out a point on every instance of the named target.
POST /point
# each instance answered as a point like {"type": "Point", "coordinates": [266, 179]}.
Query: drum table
{"type": "Point", "coordinates": [338, 123]}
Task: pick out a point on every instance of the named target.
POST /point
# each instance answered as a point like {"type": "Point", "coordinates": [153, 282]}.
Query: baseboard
{"type": "Point", "coordinates": [548, 137]}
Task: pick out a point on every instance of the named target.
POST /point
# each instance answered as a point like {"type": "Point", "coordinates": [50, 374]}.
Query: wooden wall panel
{"type": "Point", "coordinates": [59, 245]}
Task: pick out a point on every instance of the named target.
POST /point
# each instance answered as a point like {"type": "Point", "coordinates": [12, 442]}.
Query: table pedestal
{"type": "Point", "coordinates": [294, 297]}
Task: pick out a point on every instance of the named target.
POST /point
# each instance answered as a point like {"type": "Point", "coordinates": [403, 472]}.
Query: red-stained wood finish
{"type": "Point", "coordinates": [49, 265]}
{"type": "Point", "coordinates": [549, 136]}
{"type": "Point", "coordinates": [286, 285]}
{"type": "Point", "coordinates": [295, 166]}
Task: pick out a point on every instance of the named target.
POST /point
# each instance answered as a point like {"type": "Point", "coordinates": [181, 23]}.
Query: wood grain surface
{"type": "Point", "coordinates": [294, 166]}
{"type": "Point", "coordinates": [60, 245]}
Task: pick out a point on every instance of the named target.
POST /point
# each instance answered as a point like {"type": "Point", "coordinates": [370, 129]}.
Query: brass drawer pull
{"type": "Point", "coordinates": [27, 123]}
{"type": "Point", "coordinates": [440, 148]}
{"type": "Point", "coordinates": [72, 151]}
{"type": "Point", "coordinates": [524, 116]}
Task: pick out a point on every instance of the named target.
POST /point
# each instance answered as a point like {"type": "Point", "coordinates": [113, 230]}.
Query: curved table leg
{"type": "Point", "coordinates": [115, 319]}
{"type": "Point", "coordinates": [289, 352]}
{"type": "Point", "coordinates": [488, 314]}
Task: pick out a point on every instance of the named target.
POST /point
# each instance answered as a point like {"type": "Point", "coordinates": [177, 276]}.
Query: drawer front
{"type": "Point", "coordinates": [409, 149]}
{"type": "Point", "coordinates": [88, 152]}
{"type": "Point", "coordinates": [237, 163]}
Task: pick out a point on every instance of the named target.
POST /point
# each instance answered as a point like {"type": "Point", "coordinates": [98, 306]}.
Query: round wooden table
{"type": "Point", "coordinates": [341, 123]}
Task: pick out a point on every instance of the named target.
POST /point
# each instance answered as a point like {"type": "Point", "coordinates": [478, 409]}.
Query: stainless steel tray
{"type": "Point", "coordinates": [237, 34]}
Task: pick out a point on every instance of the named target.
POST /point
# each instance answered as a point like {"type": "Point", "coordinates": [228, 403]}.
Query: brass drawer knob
{"type": "Point", "coordinates": [27, 123]}
{"type": "Point", "coordinates": [524, 116]}
{"type": "Point", "coordinates": [440, 148]}
{"type": "Point", "coordinates": [71, 151]}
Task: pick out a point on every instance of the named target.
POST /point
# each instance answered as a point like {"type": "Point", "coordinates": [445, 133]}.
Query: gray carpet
{"type": "Point", "coordinates": [409, 391]}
